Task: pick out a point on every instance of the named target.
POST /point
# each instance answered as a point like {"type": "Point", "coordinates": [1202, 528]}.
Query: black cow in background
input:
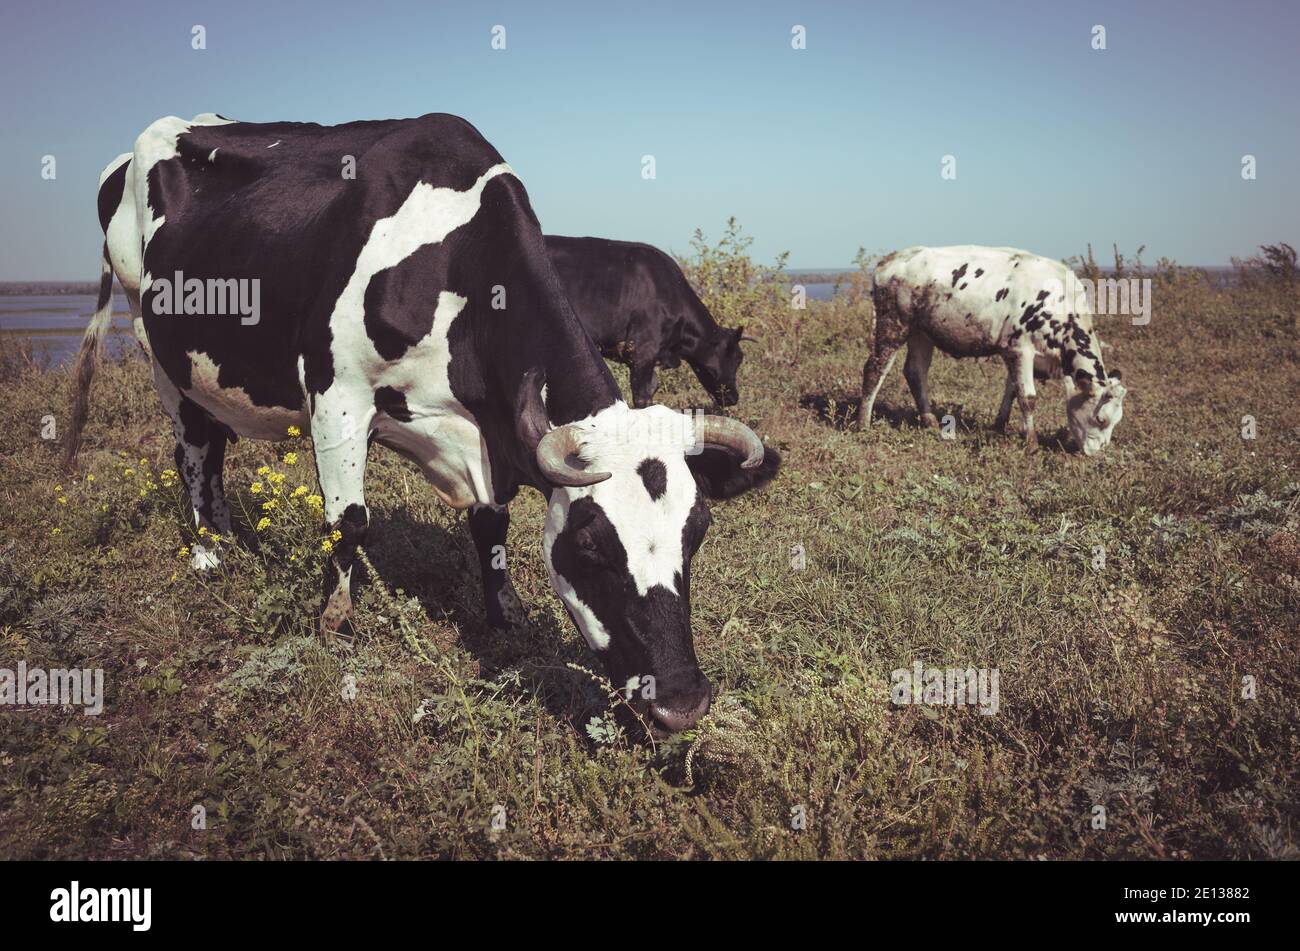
{"type": "Point", "coordinates": [640, 310]}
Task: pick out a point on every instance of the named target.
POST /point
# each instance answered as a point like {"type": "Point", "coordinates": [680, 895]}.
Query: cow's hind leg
{"type": "Point", "coordinates": [890, 335]}
{"type": "Point", "coordinates": [200, 456]}
{"type": "Point", "coordinates": [488, 525]}
{"type": "Point", "coordinates": [340, 429]}
{"type": "Point", "coordinates": [920, 348]}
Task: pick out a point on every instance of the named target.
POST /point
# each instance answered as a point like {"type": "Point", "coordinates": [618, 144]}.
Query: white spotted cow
{"type": "Point", "coordinates": [973, 301]}
{"type": "Point", "coordinates": [411, 304]}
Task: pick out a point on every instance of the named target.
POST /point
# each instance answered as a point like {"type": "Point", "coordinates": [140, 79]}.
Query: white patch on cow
{"type": "Point", "coordinates": [233, 406]}
{"type": "Point", "coordinates": [442, 436]}
{"type": "Point", "coordinates": [212, 156]}
{"type": "Point", "coordinates": [617, 440]}
{"type": "Point", "coordinates": [274, 144]}
{"type": "Point", "coordinates": [201, 559]}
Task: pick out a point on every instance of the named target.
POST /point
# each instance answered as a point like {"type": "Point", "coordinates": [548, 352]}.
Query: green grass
{"type": "Point", "coordinates": [1119, 687]}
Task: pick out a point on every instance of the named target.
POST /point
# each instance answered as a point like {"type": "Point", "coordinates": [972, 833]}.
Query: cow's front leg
{"type": "Point", "coordinates": [488, 525]}
{"type": "Point", "coordinates": [1027, 396]}
{"type": "Point", "coordinates": [644, 383]}
{"type": "Point", "coordinates": [916, 370]}
{"type": "Point", "coordinates": [340, 430]}
{"type": "Point", "coordinates": [1008, 394]}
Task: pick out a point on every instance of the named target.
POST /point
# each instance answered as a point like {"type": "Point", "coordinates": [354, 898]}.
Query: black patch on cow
{"type": "Point", "coordinates": [979, 272]}
{"type": "Point", "coordinates": [958, 274]}
{"type": "Point", "coordinates": [1002, 293]}
{"type": "Point", "coordinates": [654, 475]}
{"type": "Point", "coordinates": [1042, 295]}
{"type": "Point", "coordinates": [963, 286]}
{"type": "Point", "coordinates": [105, 284]}
{"type": "Point", "coordinates": [400, 302]}
{"type": "Point", "coordinates": [393, 402]}
{"type": "Point", "coordinates": [110, 194]}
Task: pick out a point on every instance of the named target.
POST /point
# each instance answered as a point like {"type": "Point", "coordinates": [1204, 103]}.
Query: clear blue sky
{"type": "Point", "coordinates": [815, 151]}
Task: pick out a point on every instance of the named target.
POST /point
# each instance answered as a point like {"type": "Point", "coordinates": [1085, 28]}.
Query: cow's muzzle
{"type": "Point", "coordinates": [681, 712]}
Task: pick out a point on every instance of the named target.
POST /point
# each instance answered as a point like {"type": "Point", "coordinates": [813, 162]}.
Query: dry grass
{"type": "Point", "coordinates": [1119, 687]}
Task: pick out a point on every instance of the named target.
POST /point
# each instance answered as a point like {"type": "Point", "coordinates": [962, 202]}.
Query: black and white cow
{"type": "Point", "coordinates": [411, 304]}
{"type": "Point", "coordinates": [972, 301]}
{"type": "Point", "coordinates": [642, 312]}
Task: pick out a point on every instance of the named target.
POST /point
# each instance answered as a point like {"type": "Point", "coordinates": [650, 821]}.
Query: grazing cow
{"type": "Point", "coordinates": [972, 301]}
{"type": "Point", "coordinates": [641, 311]}
{"type": "Point", "coordinates": [412, 304]}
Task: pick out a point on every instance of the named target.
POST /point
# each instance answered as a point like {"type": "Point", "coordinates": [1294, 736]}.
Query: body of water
{"type": "Point", "coordinates": [54, 323]}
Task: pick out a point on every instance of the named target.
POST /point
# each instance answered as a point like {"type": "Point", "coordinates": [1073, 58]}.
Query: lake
{"type": "Point", "coordinates": [55, 322]}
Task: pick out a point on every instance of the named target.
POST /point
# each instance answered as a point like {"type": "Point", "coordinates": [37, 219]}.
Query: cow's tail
{"type": "Point", "coordinates": [87, 359]}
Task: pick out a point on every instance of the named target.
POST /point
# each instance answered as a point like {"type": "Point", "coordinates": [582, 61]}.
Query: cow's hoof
{"type": "Point", "coordinates": [1000, 426]}
{"type": "Point", "coordinates": [334, 623]}
{"type": "Point", "coordinates": [204, 559]}
{"type": "Point", "coordinates": [930, 421]}
{"type": "Point", "coordinates": [1031, 443]}
{"type": "Point", "coordinates": [511, 616]}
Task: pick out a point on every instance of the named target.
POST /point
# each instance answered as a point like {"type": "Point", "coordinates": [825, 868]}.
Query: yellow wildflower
{"type": "Point", "coordinates": [295, 431]}
{"type": "Point", "coordinates": [336, 535]}
{"type": "Point", "coordinates": [290, 458]}
{"type": "Point", "coordinates": [63, 500]}
{"type": "Point", "coordinates": [327, 545]}
{"type": "Point", "coordinates": [263, 470]}
{"type": "Point", "coordinates": [263, 524]}
{"type": "Point", "coordinates": [56, 531]}
{"type": "Point", "coordinates": [269, 505]}
{"type": "Point", "coordinates": [275, 478]}
{"type": "Point", "coordinates": [315, 501]}
{"type": "Point", "coordinates": [183, 550]}
{"type": "Point", "coordinates": [90, 477]}
{"type": "Point", "coordinates": [300, 491]}
{"type": "Point", "coordinates": [256, 487]}
{"type": "Point", "coordinates": [58, 488]}
{"type": "Point", "coordinates": [202, 530]}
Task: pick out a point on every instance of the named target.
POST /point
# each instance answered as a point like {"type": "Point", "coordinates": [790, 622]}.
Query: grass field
{"type": "Point", "coordinates": [1121, 685]}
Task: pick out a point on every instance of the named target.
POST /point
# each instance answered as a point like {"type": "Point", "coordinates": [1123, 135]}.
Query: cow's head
{"type": "Point", "coordinates": [1094, 408]}
{"type": "Point", "coordinates": [716, 364]}
{"type": "Point", "coordinates": [623, 521]}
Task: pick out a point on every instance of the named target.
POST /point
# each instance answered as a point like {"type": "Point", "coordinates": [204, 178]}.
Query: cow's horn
{"type": "Point", "coordinates": [726, 433]}
{"type": "Point", "coordinates": [553, 450]}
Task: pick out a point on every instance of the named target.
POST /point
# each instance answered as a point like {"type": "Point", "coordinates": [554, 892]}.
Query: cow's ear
{"type": "Point", "coordinates": [531, 422]}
